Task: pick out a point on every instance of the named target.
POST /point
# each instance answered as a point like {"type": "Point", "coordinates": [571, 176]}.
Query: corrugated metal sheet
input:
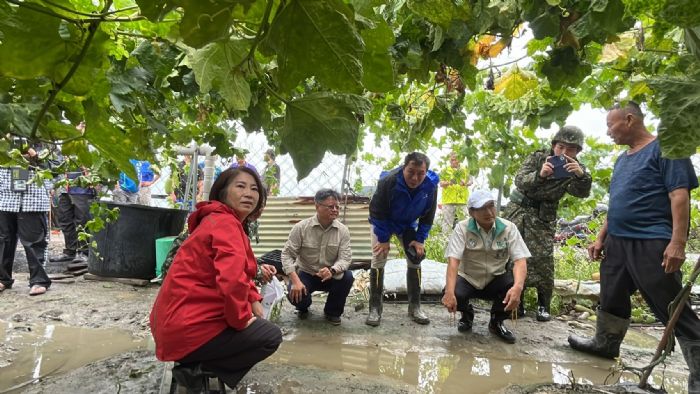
{"type": "Point", "coordinates": [281, 213]}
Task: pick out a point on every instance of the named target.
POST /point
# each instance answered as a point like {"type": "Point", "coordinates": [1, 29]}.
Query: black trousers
{"type": "Point", "coordinates": [632, 264]}
{"type": "Point", "coordinates": [338, 290]}
{"type": "Point", "coordinates": [495, 291]}
{"type": "Point", "coordinates": [31, 229]}
{"type": "Point", "coordinates": [231, 354]}
{"type": "Point", "coordinates": [73, 212]}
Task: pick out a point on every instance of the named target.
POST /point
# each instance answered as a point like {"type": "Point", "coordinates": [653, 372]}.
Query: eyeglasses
{"type": "Point", "coordinates": [331, 207]}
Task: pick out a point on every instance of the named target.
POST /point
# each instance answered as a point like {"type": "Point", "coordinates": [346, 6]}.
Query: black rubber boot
{"type": "Point", "coordinates": [691, 352]}
{"type": "Point", "coordinates": [376, 290]}
{"type": "Point", "coordinates": [413, 292]}
{"type": "Point", "coordinates": [467, 320]}
{"type": "Point", "coordinates": [610, 331]}
{"type": "Point", "coordinates": [544, 299]}
{"type": "Point", "coordinates": [189, 376]}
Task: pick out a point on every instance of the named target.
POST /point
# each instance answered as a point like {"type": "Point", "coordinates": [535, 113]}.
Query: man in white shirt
{"type": "Point", "coordinates": [477, 253]}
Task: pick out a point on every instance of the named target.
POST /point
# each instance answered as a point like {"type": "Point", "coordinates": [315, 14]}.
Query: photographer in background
{"type": "Point", "coordinates": [543, 179]}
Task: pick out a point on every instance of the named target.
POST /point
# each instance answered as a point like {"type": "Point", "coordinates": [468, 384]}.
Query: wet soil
{"type": "Point", "coordinates": [93, 337]}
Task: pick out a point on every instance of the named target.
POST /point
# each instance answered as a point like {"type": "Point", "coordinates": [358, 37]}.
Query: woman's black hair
{"type": "Point", "coordinates": [219, 190]}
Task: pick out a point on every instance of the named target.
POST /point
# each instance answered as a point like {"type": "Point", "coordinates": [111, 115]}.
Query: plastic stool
{"type": "Point", "coordinates": [206, 375]}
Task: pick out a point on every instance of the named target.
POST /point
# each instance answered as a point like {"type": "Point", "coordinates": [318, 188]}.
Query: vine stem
{"type": "Point", "coordinates": [504, 64]}
{"type": "Point", "coordinates": [42, 11]}
{"type": "Point", "coordinates": [250, 58]}
{"type": "Point", "coordinates": [52, 96]}
{"type": "Point", "coordinates": [64, 8]}
{"type": "Point", "coordinates": [262, 31]}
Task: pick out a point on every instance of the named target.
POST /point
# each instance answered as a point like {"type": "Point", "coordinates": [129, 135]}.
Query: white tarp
{"type": "Point", "coordinates": [432, 276]}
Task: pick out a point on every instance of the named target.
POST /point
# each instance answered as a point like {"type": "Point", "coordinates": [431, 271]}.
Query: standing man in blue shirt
{"type": "Point", "coordinates": [644, 239]}
{"type": "Point", "coordinates": [403, 205]}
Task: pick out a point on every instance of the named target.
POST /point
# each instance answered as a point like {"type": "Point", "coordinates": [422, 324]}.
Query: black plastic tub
{"type": "Point", "coordinates": [127, 248]}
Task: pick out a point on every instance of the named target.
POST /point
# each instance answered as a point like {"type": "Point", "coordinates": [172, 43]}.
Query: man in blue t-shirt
{"type": "Point", "coordinates": [644, 240]}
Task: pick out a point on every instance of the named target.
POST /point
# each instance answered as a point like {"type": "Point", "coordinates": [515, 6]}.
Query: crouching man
{"type": "Point", "coordinates": [477, 254]}
{"type": "Point", "coordinates": [316, 258]}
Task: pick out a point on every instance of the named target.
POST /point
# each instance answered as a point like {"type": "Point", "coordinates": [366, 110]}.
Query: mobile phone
{"type": "Point", "coordinates": [559, 170]}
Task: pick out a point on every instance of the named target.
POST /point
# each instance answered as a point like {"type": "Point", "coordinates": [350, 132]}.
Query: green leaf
{"type": "Point", "coordinates": [124, 83]}
{"type": "Point", "coordinates": [79, 149]}
{"type": "Point", "coordinates": [158, 58]}
{"type": "Point", "coordinates": [564, 68]}
{"type": "Point", "coordinates": [515, 83]}
{"type": "Point", "coordinates": [19, 59]}
{"type": "Point", "coordinates": [678, 99]}
{"type": "Point", "coordinates": [18, 118]}
{"type": "Point", "coordinates": [108, 139]}
{"type": "Point", "coordinates": [545, 25]}
{"type": "Point", "coordinates": [205, 21]}
{"type": "Point", "coordinates": [215, 68]}
{"type": "Point", "coordinates": [683, 13]}
{"type": "Point", "coordinates": [321, 122]}
{"type": "Point", "coordinates": [691, 37]}
{"type": "Point", "coordinates": [377, 65]}
{"type": "Point", "coordinates": [236, 91]}
{"type": "Point", "coordinates": [440, 12]}
{"type": "Point", "coordinates": [90, 71]}
{"type": "Point", "coordinates": [604, 18]}
{"type": "Point", "coordinates": [155, 9]}
{"type": "Point", "coordinates": [58, 130]}
{"type": "Point", "coordinates": [317, 38]}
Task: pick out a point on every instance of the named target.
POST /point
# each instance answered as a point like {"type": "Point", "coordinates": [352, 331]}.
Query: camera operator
{"type": "Point", "coordinates": [543, 179]}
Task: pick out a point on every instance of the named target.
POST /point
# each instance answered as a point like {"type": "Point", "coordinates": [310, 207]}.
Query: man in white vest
{"type": "Point", "coordinates": [477, 254]}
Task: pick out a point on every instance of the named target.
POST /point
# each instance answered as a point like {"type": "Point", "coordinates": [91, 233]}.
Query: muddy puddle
{"type": "Point", "coordinates": [31, 352]}
{"type": "Point", "coordinates": [449, 366]}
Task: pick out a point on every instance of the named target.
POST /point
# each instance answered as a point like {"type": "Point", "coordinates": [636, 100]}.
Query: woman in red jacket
{"type": "Point", "coordinates": [207, 314]}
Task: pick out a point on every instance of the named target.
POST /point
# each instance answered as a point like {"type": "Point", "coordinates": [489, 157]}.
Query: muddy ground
{"type": "Point", "coordinates": [101, 344]}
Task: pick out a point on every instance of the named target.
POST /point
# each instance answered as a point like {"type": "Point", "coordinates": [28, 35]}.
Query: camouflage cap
{"type": "Point", "coordinates": [569, 135]}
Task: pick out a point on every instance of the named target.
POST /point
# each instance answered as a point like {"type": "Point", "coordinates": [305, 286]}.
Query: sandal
{"type": "Point", "coordinates": [37, 290]}
{"type": "Point", "coordinates": [2, 287]}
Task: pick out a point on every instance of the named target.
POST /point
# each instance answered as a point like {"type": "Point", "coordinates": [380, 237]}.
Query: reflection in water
{"type": "Point", "coordinates": [37, 351]}
{"type": "Point", "coordinates": [448, 369]}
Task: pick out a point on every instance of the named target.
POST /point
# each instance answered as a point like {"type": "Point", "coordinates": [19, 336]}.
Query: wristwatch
{"type": "Point", "coordinates": [333, 271]}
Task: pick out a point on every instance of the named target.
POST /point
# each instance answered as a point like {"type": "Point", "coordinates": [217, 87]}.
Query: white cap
{"type": "Point", "coordinates": [479, 198]}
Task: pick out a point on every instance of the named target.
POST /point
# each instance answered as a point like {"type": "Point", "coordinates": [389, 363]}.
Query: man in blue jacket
{"type": "Point", "coordinates": [403, 205]}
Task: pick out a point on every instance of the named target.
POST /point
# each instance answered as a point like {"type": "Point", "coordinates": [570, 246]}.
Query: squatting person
{"type": "Point", "coordinates": [477, 254]}
{"type": "Point", "coordinates": [316, 257]}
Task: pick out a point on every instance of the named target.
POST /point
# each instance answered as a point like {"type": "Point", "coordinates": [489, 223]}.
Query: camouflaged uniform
{"type": "Point", "coordinates": [533, 208]}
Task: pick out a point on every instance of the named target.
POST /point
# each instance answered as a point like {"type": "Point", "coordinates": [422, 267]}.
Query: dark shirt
{"type": "Point", "coordinates": [639, 203]}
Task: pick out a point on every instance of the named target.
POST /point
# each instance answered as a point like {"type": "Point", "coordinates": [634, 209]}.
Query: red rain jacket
{"type": "Point", "coordinates": [209, 286]}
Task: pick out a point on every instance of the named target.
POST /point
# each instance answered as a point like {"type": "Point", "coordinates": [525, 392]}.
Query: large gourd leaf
{"type": "Point", "coordinates": [678, 99]}
{"type": "Point", "coordinates": [155, 9]}
{"type": "Point", "coordinates": [515, 84]}
{"type": "Point", "coordinates": [378, 68]}
{"type": "Point", "coordinates": [564, 68]}
{"type": "Point", "coordinates": [205, 21]}
{"type": "Point", "coordinates": [19, 60]}
{"type": "Point", "coordinates": [317, 38]}
{"type": "Point", "coordinates": [440, 12]}
{"type": "Point", "coordinates": [215, 68]}
{"type": "Point", "coordinates": [321, 122]}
